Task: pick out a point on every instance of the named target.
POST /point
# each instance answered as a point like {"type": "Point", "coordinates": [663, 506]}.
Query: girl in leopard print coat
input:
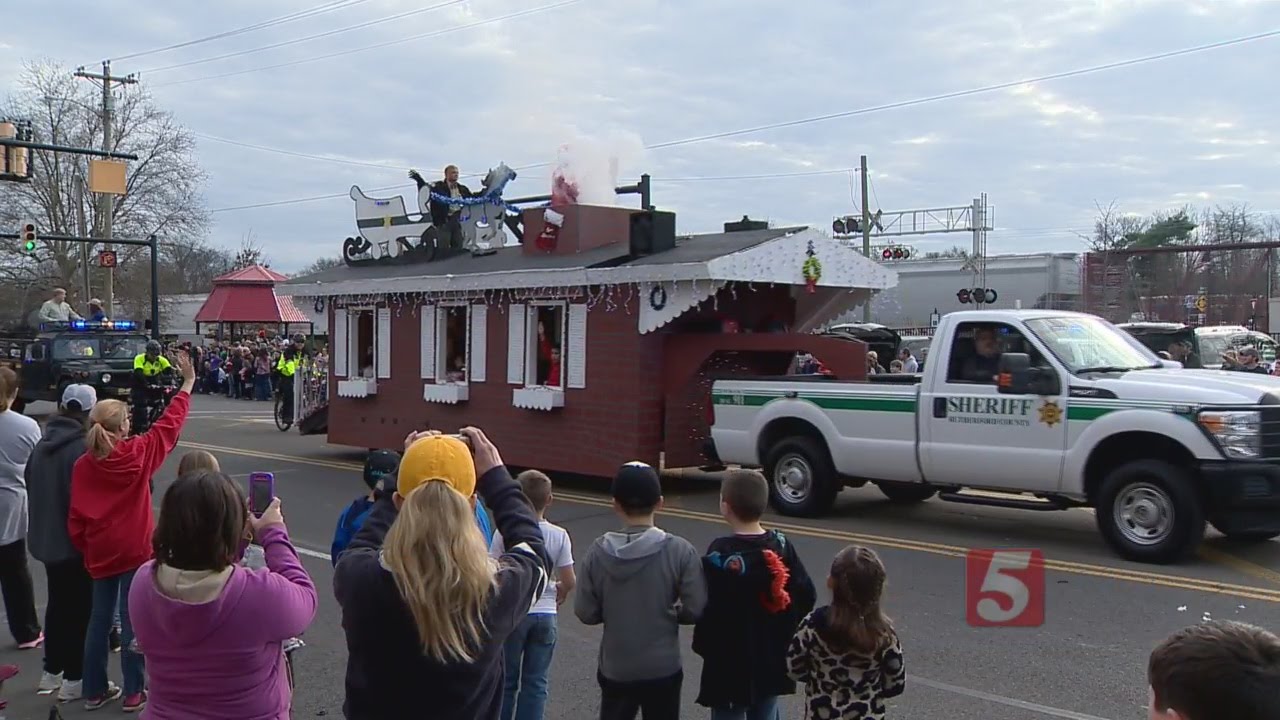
{"type": "Point", "coordinates": [847, 654]}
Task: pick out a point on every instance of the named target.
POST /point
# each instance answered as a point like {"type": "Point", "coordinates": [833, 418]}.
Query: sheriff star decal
{"type": "Point", "coordinates": [1050, 413]}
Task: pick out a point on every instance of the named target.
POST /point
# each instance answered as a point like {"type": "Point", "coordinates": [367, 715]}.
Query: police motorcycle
{"type": "Point", "coordinates": [155, 381]}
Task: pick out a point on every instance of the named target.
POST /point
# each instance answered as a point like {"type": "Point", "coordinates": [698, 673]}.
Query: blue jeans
{"type": "Point", "coordinates": [528, 656]}
{"type": "Point", "coordinates": [109, 595]}
{"type": "Point", "coordinates": [263, 385]}
{"type": "Point", "coordinates": [766, 709]}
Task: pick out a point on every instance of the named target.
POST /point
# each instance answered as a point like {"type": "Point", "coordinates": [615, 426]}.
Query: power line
{"type": "Point", "coordinates": [434, 33]}
{"type": "Point", "coordinates": [820, 118]}
{"type": "Point", "coordinates": [966, 93]}
{"type": "Point", "coordinates": [762, 176]}
{"type": "Point", "coordinates": [308, 38]}
{"type": "Point", "coordinates": [299, 15]}
{"type": "Point", "coordinates": [291, 153]}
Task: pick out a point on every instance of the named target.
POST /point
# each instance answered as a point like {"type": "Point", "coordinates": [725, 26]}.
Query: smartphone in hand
{"type": "Point", "coordinates": [464, 440]}
{"type": "Point", "coordinates": [262, 491]}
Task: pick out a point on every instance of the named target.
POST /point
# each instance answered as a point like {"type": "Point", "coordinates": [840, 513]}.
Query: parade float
{"type": "Point", "coordinates": [577, 335]}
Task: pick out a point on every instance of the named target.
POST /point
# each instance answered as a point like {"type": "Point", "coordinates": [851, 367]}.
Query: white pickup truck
{"type": "Point", "coordinates": [1049, 409]}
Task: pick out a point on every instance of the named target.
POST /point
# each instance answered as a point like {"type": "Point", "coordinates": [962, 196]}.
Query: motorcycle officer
{"type": "Point", "coordinates": [148, 368]}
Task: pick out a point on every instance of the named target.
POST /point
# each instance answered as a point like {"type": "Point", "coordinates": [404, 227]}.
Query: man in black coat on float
{"type": "Point", "coordinates": [443, 215]}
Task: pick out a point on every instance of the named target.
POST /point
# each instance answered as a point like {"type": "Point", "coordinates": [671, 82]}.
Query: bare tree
{"type": "Point", "coordinates": [320, 265]}
{"type": "Point", "coordinates": [163, 187]}
{"type": "Point", "coordinates": [250, 253]}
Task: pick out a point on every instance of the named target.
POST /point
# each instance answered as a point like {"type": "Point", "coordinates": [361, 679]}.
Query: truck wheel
{"type": "Point", "coordinates": [906, 493]}
{"type": "Point", "coordinates": [802, 478]}
{"type": "Point", "coordinates": [1148, 511]}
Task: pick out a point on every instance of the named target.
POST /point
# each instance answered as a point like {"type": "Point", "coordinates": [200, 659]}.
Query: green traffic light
{"type": "Point", "coordinates": [29, 246]}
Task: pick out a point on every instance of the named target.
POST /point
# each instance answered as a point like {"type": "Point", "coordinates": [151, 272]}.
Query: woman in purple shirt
{"type": "Point", "coordinates": [212, 630]}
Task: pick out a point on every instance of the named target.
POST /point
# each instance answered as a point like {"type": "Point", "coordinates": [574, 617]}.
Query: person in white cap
{"type": "Point", "coordinates": [96, 313]}
{"type": "Point", "coordinates": [70, 589]}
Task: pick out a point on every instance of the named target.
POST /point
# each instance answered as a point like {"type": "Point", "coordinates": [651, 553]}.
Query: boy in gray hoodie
{"type": "Point", "coordinates": [642, 583]}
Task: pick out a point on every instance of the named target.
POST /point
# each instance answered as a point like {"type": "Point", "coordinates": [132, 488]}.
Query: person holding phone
{"type": "Point", "coordinates": [214, 630]}
{"type": "Point", "coordinates": [110, 524]}
{"type": "Point", "coordinates": [426, 611]}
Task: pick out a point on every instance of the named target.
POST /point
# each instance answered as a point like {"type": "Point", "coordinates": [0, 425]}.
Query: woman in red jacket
{"type": "Point", "coordinates": [110, 524]}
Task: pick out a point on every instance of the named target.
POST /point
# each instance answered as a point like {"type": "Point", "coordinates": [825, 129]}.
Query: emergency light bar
{"type": "Point", "coordinates": [89, 326]}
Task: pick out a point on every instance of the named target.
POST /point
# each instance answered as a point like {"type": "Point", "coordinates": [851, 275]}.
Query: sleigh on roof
{"type": "Point", "coordinates": [390, 235]}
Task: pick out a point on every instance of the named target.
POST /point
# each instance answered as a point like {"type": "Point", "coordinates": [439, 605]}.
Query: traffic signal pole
{"type": "Point", "coordinates": [866, 232]}
{"type": "Point", "coordinates": [151, 243]}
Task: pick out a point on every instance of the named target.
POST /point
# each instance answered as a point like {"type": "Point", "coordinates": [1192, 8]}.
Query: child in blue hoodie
{"type": "Point", "coordinates": [380, 469]}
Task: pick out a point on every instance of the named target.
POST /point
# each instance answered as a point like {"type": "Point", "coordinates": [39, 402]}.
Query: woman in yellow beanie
{"type": "Point", "coordinates": [425, 609]}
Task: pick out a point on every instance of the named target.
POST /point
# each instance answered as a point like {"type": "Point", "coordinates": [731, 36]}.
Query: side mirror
{"type": "Point", "coordinates": [35, 352]}
{"type": "Point", "coordinates": [1017, 377]}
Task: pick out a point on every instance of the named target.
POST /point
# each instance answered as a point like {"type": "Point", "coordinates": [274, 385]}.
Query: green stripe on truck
{"type": "Point", "coordinates": [864, 404]}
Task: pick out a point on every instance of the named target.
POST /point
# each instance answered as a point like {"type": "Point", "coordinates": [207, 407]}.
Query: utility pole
{"type": "Point", "coordinates": [105, 203]}
{"type": "Point", "coordinates": [866, 232]}
{"type": "Point", "coordinates": [83, 231]}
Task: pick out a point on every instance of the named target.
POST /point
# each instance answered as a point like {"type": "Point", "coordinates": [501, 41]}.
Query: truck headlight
{"type": "Point", "coordinates": [1239, 432]}
{"type": "Point", "coordinates": [106, 378]}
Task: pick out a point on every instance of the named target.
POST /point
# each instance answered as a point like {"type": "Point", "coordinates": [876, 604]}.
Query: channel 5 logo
{"type": "Point", "coordinates": [1004, 588]}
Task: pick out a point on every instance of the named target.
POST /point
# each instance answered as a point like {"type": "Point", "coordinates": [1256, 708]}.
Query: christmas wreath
{"type": "Point", "coordinates": [812, 269]}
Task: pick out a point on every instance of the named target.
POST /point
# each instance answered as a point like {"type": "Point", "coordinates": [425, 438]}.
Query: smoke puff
{"type": "Point", "coordinates": [594, 164]}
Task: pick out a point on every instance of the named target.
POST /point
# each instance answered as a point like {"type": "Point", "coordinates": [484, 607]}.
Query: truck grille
{"type": "Point", "coordinates": [1271, 433]}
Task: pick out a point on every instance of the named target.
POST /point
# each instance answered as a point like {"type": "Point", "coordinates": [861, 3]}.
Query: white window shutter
{"type": "Point", "coordinates": [340, 350]}
{"type": "Point", "coordinates": [427, 342]}
{"type": "Point", "coordinates": [479, 335]}
{"type": "Point", "coordinates": [576, 352]}
{"type": "Point", "coordinates": [515, 344]}
{"type": "Point", "coordinates": [355, 354]}
{"type": "Point", "coordinates": [384, 343]}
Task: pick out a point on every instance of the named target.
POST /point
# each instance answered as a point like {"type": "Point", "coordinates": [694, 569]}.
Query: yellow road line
{"type": "Point", "coordinates": [1180, 582]}
{"type": "Point", "coordinates": [1240, 564]}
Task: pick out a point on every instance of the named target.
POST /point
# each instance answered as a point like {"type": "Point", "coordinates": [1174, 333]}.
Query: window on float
{"type": "Point", "coordinates": [544, 345]}
{"type": "Point", "coordinates": [453, 343]}
{"type": "Point", "coordinates": [362, 347]}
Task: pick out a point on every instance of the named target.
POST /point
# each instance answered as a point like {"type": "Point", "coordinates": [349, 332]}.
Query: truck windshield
{"type": "Point", "coordinates": [1089, 344]}
{"type": "Point", "coordinates": [113, 347]}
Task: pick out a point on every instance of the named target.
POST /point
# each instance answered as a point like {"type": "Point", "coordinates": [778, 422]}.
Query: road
{"type": "Point", "coordinates": [1087, 661]}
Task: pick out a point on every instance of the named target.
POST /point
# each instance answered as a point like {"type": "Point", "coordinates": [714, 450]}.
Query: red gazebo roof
{"type": "Point", "coordinates": [248, 296]}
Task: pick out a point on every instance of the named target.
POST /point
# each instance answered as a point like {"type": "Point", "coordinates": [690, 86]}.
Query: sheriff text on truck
{"type": "Point", "coordinates": [1050, 410]}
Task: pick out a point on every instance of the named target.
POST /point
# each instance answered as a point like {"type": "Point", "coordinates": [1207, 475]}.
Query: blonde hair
{"type": "Point", "coordinates": [106, 421]}
{"type": "Point", "coordinates": [442, 569]}
{"type": "Point", "coordinates": [197, 460]}
{"type": "Point", "coordinates": [8, 388]}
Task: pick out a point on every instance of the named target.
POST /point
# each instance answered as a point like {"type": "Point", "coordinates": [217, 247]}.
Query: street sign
{"type": "Point", "coordinates": [108, 259]}
{"type": "Point", "coordinates": [1202, 303]}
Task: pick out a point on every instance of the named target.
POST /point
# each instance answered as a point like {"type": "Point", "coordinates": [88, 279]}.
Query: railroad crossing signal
{"type": "Point", "coordinates": [28, 236]}
{"type": "Point", "coordinates": [977, 296]}
{"type": "Point", "coordinates": [896, 253]}
{"type": "Point", "coordinates": [108, 259]}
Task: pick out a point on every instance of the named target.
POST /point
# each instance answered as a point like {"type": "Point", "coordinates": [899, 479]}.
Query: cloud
{"type": "Point", "coordinates": [664, 70]}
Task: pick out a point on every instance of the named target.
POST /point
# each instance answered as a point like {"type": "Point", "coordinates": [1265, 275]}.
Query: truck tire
{"type": "Point", "coordinates": [1148, 511]}
{"type": "Point", "coordinates": [906, 493]}
{"type": "Point", "coordinates": [802, 478]}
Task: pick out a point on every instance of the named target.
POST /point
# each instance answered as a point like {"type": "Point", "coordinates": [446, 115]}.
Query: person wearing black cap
{"type": "Point", "coordinates": [641, 583]}
{"type": "Point", "coordinates": [380, 475]}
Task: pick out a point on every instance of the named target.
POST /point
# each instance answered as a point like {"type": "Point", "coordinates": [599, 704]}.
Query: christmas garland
{"type": "Point", "coordinates": [812, 269]}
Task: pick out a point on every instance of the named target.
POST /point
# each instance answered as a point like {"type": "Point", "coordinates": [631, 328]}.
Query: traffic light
{"type": "Point", "coordinates": [896, 253]}
{"type": "Point", "coordinates": [977, 296]}
{"type": "Point", "coordinates": [28, 236]}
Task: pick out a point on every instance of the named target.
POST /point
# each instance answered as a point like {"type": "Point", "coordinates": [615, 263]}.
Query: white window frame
{"type": "Point", "coordinates": [355, 368]}
{"type": "Point", "coordinates": [531, 342]}
{"type": "Point", "coordinates": [442, 343]}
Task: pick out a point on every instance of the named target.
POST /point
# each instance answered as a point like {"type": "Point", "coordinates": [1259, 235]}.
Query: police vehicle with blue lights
{"type": "Point", "coordinates": [80, 351]}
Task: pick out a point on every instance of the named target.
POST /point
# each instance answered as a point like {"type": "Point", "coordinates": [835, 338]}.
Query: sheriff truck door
{"type": "Point", "coordinates": [979, 437]}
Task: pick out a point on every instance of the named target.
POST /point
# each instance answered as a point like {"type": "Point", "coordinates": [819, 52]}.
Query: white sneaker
{"type": "Point", "coordinates": [49, 683]}
{"type": "Point", "coordinates": [71, 690]}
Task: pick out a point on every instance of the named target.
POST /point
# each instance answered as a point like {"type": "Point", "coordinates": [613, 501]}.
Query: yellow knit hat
{"type": "Point", "coordinates": [437, 457]}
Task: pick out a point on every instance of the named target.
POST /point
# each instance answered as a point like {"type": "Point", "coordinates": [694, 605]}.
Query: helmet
{"type": "Point", "coordinates": [299, 339]}
{"type": "Point", "coordinates": [153, 347]}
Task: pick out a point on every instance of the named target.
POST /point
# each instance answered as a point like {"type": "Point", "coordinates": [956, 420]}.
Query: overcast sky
{"type": "Point", "coordinates": [632, 73]}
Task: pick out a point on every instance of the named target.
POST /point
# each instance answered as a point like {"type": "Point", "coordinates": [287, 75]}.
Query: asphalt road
{"type": "Point", "coordinates": [1086, 662]}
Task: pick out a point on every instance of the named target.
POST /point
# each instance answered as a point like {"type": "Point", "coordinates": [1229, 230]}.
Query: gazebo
{"type": "Point", "coordinates": [247, 297]}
